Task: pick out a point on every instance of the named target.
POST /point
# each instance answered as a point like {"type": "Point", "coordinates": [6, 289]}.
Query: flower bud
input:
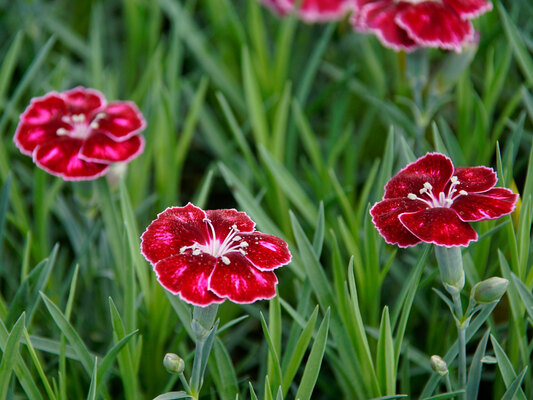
{"type": "Point", "coordinates": [173, 363]}
{"type": "Point", "coordinates": [438, 365]}
{"type": "Point", "coordinates": [451, 268]}
{"type": "Point", "coordinates": [489, 290]}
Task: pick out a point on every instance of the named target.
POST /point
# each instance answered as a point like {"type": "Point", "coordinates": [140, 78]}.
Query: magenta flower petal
{"type": "Point", "coordinates": [238, 254]}
{"type": "Point", "coordinates": [225, 220]}
{"type": "Point", "coordinates": [475, 179]}
{"type": "Point", "coordinates": [121, 120]}
{"type": "Point", "coordinates": [60, 157]}
{"type": "Point", "coordinates": [188, 276]}
{"type": "Point", "coordinates": [240, 282]}
{"type": "Point", "coordinates": [385, 217]}
{"type": "Point", "coordinates": [89, 130]}
{"type": "Point", "coordinates": [491, 204]}
{"type": "Point", "coordinates": [265, 252]}
{"type": "Point", "coordinates": [441, 226]}
{"type": "Point", "coordinates": [434, 24]}
{"type": "Point", "coordinates": [101, 148]}
{"type": "Point", "coordinates": [434, 168]}
{"type": "Point", "coordinates": [173, 229]}
{"type": "Point", "coordinates": [468, 9]}
{"type": "Point", "coordinates": [312, 10]}
{"type": "Point", "coordinates": [84, 101]}
{"type": "Point", "coordinates": [379, 17]}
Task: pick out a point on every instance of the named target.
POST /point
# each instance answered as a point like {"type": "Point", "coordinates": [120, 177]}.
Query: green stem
{"type": "Point", "coordinates": [204, 328]}
{"type": "Point", "coordinates": [461, 338]}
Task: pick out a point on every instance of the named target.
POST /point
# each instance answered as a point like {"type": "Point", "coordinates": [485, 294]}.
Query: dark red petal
{"type": "Point", "coordinates": [101, 148]}
{"type": "Point", "coordinates": [188, 276]}
{"type": "Point", "coordinates": [266, 252]}
{"type": "Point", "coordinates": [83, 101]}
{"type": "Point", "coordinates": [121, 119]}
{"type": "Point", "coordinates": [60, 157]}
{"type": "Point", "coordinates": [379, 17]}
{"type": "Point", "coordinates": [492, 204]}
{"type": "Point", "coordinates": [28, 137]}
{"type": "Point", "coordinates": [385, 217]}
{"type": "Point", "coordinates": [224, 220]}
{"type": "Point", "coordinates": [43, 110]}
{"type": "Point", "coordinates": [468, 9]}
{"type": "Point", "coordinates": [435, 168]}
{"type": "Point", "coordinates": [174, 228]}
{"type": "Point", "coordinates": [440, 226]}
{"type": "Point", "coordinates": [240, 282]}
{"type": "Point", "coordinates": [475, 179]}
{"type": "Point", "coordinates": [435, 24]}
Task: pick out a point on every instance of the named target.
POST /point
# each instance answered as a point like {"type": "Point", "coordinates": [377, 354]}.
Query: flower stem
{"type": "Point", "coordinates": [204, 328]}
{"type": "Point", "coordinates": [452, 275]}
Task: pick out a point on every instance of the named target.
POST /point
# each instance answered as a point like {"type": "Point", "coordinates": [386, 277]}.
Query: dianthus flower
{"type": "Point", "coordinates": [209, 256]}
{"type": "Point", "coordinates": [409, 24]}
{"type": "Point", "coordinates": [312, 10]}
{"type": "Point", "coordinates": [76, 135]}
{"type": "Point", "coordinates": [431, 201]}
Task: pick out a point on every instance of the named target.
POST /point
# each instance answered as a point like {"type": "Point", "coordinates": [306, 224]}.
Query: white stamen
{"type": "Point", "coordinates": [244, 244]}
{"type": "Point", "coordinates": [61, 131]}
{"type": "Point", "coordinates": [182, 250]}
{"type": "Point", "coordinates": [412, 196]}
{"type": "Point", "coordinates": [225, 260]}
{"type": "Point", "coordinates": [100, 115]}
{"type": "Point", "coordinates": [463, 192]}
{"type": "Point", "coordinates": [196, 252]}
{"type": "Point", "coordinates": [428, 186]}
{"type": "Point", "coordinates": [454, 180]}
{"type": "Point", "coordinates": [236, 238]}
{"type": "Point", "coordinates": [65, 118]}
{"type": "Point", "coordinates": [94, 125]}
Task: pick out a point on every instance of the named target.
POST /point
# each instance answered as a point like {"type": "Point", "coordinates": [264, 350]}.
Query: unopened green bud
{"type": "Point", "coordinates": [451, 268]}
{"type": "Point", "coordinates": [174, 363]}
{"type": "Point", "coordinates": [489, 290]}
{"type": "Point", "coordinates": [438, 365]}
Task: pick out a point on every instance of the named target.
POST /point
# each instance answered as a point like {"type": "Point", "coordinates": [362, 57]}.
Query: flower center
{"type": "Point", "coordinates": [232, 243]}
{"type": "Point", "coordinates": [79, 127]}
{"type": "Point", "coordinates": [443, 200]}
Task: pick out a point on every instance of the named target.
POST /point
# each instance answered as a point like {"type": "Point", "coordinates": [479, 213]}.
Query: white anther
{"type": "Point", "coordinates": [196, 252]}
{"type": "Point", "coordinates": [423, 190]}
{"type": "Point", "coordinates": [94, 125]}
{"type": "Point", "coordinates": [234, 227]}
{"type": "Point", "coordinates": [100, 115]}
{"type": "Point", "coordinates": [61, 131]}
{"type": "Point", "coordinates": [225, 260]}
{"type": "Point", "coordinates": [236, 238]}
{"type": "Point", "coordinates": [463, 192]}
{"type": "Point", "coordinates": [454, 180]}
{"type": "Point", "coordinates": [182, 250]}
{"type": "Point", "coordinates": [428, 186]}
{"type": "Point", "coordinates": [412, 196]}
{"type": "Point", "coordinates": [65, 118]}
{"type": "Point", "coordinates": [244, 244]}
{"type": "Point", "coordinates": [242, 252]}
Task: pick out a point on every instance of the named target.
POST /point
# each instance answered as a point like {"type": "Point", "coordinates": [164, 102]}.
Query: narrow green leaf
{"type": "Point", "coordinates": [38, 365]}
{"type": "Point", "coordinates": [11, 352]}
{"type": "Point", "coordinates": [228, 379]}
{"type": "Point", "coordinates": [314, 362]}
{"type": "Point", "coordinates": [276, 368]}
{"type": "Point", "coordinates": [173, 396]}
{"type": "Point", "coordinates": [8, 65]}
{"type": "Point", "coordinates": [254, 101]}
{"type": "Point", "coordinates": [474, 374]}
{"type": "Point", "coordinates": [515, 386]}
{"type": "Point", "coordinates": [253, 396]}
{"type": "Point", "coordinates": [385, 365]}
{"type": "Point", "coordinates": [506, 368]}
{"type": "Point", "coordinates": [443, 396]}
{"type": "Point", "coordinates": [318, 239]}
{"type": "Point", "coordinates": [71, 334]}
{"type": "Point", "coordinates": [525, 295]}
{"type": "Point", "coordinates": [94, 381]}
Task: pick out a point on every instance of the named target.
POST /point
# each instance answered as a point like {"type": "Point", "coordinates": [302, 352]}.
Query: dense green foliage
{"type": "Point", "coordinates": [298, 125]}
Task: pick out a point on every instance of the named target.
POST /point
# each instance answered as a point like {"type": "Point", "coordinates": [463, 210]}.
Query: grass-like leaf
{"type": "Point", "coordinates": [474, 374]}
{"type": "Point", "coordinates": [506, 368]}
{"type": "Point", "coordinates": [385, 365]}
{"type": "Point", "coordinates": [10, 354]}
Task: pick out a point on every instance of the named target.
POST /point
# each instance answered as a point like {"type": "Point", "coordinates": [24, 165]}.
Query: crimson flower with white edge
{"type": "Point", "coordinates": [409, 24]}
{"type": "Point", "coordinates": [77, 135]}
{"type": "Point", "coordinates": [209, 256]}
{"type": "Point", "coordinates": [431, 201]}
{"type": "Point", "coordinates": [312, 10]}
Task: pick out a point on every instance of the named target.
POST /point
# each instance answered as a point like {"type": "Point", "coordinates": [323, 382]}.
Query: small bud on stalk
{"type": "Point", "coordinates": [174, 363]}
{"type": "Point", "coordinates": [438, 365]}
{"type": "Point", "coordinates": [489, 290]}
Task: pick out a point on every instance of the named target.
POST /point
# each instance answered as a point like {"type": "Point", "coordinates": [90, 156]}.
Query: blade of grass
{"type": "Point", "coordinates": [10, 354]}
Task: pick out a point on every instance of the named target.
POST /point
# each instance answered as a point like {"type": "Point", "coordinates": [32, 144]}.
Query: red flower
{"type": "Point", "coordinates": [208, 256]}
{"type": "Point", "coordinates": [76, 135]}
{"type": "Point", "coordinates": [408, 24]}
{"type": "Point", "coordinates": [312, 10]}
{"type": "Point", "coordinates": [431, 201]}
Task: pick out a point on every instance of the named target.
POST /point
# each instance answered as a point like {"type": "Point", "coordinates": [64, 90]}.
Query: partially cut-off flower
{"type": "Point", "coordinates": [209, 256]}
{"type": "Point", "coordinates": [312, 10]}
{"type": "Point", "coordinates": [77, 135]}
{"type": "Point", "coordinates": [409, 24]}
{"type": "Point", "coordinates": [431, 201]}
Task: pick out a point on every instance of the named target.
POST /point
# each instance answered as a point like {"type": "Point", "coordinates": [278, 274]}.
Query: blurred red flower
{"type": "Point", "coordinates": [431, 201]}
{"type": "Point", "coordinates": [208, 256]}
{"type": "Point", "coordinates": [312, 10]}
{"type": "Point", "coordinates": [409, 24]}
{"type": "Point", "coordinates": [76, 135]}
